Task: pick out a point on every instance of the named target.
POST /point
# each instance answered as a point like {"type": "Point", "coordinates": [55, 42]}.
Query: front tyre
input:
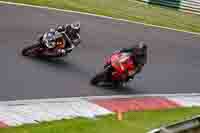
{"type": "Point", "coordinates": [31, 50]}
{"type": "Point", "coordinates": [100, 77]}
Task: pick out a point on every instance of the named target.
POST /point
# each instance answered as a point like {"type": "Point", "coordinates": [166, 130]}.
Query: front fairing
{"type": "Point", "coordinates": [122, 63]}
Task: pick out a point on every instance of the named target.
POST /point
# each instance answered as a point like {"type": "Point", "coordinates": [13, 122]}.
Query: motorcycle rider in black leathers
{"type": "Point", "coordinates": [138, 53]}
{"type": "Point", "coordinates": [72, 31]}
{"type": "Point", "coordinates": [69, 32]}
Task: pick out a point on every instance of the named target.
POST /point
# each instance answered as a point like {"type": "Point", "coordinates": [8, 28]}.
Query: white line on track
{"type": "Point", "coordinates": [102, 16]}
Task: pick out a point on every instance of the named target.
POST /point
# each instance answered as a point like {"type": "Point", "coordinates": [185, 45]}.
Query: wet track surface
{"type": "Point", "coordinates": [173, 66]}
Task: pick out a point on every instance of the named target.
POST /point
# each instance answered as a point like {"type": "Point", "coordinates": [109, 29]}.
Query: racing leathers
{"type": "Point", "coordinates": [58, 41]}
{"type": "Point", "coordinates": [138, 57]}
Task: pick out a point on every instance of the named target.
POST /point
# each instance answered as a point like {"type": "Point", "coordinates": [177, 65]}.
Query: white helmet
{"type": "Point", "coordinates": [75, 25]}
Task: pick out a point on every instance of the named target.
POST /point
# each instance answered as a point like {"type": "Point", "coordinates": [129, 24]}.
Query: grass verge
{"type": "Point", "coordinates": [127, 9]}
{"type": "Point", "coordinates": [138, 122]}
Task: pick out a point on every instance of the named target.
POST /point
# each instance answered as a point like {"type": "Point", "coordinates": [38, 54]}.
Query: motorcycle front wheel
{"type": "Point", "coordinates": [100, 77]}
{"type": "Point", "coordinates": [31, 50]}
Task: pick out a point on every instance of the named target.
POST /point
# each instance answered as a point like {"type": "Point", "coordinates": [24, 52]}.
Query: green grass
{"type": "Point", "coordinates": [127, 9]}
{"type": "Point", "coordinates": [137, 122]}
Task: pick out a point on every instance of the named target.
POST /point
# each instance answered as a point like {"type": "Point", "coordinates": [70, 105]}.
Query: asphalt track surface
{"type": "Point", "coordinates": [173, 62]}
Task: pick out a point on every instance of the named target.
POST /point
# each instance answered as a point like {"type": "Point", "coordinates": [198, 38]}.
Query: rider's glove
{"type": "Point", "coordinates": [61, 51]}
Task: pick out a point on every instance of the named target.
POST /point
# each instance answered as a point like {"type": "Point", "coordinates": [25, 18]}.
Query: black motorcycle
{"type": "Point", "coordinates": [39, 49]}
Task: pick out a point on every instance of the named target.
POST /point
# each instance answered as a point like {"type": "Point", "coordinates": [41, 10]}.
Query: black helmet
{"type": "Point", "coordinates": [142, 45]}
{"type": "Point", "coordinates": [75, 25]}
{"type": "Point", "coordinates": [140, 48]}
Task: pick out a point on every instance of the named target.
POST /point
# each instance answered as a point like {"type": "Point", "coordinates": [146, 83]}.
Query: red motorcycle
{"type": "Point", "coordinates": [116, 70]}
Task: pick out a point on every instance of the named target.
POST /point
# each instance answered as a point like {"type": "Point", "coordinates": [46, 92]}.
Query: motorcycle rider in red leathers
{"type": "Point", "coordinates": [137, 56]}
